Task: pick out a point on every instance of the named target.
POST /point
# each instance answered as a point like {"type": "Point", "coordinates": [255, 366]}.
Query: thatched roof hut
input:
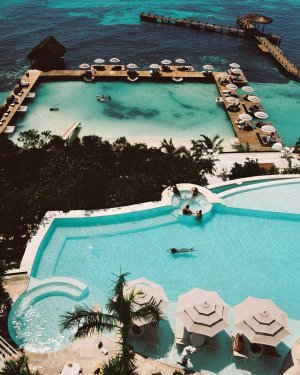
{"type": "Point", "coordinates": [257, 18]}
{"type": "Point", "coordinates": [48, 54]}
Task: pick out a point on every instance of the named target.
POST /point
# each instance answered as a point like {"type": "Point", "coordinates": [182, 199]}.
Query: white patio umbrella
{"type": "Point", "coordinates": [224, 75]}
{"type": "Point", "coordinates": [154, 66]}
{"type": "Point", "coordinates": [203, 312]}
{"type": "Point", "coordinates": [166, 62]}
{"type": "Point", "coordinates": [99, 61]}
{"type": "Point", "coordinates": [253, 98]}
{"type": "Point", "coordinates": [114, 60]}
{"type": "Point", "coordinates": [180, 61]}
{"type": "Point", "coordinates": [84, 66]}
{"type": "Point", "coordinates": [231, 86]}
{"type": "Point", "coordinates": [208, 67]}
{"type": "Point", "coordinates": [244, 117]}
{"type": "Point", "coordinates": [131, 66]}
{"type": "Point", "coordinates": [236, 71]}
{"type": "Point", "coordinates": [261, 114]}
{"type": "Point", "coordinates": [277, 146]}
{"type": "Point", "coordinates": [261, 321]}
{"type": "Point", "coordinates": [234, 65]}
{"type": "Point", "coordinates": [268, 128]}
{"type": "Point", "coordinates": [247, 88]}
{"type": "Point", "coordinates": [232, 99]}
{"type": "Point", "coordinates": [151, 291]}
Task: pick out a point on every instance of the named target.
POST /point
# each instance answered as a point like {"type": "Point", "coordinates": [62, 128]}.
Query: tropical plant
{"type": "Point", "coordinates": [250, 168]}
{"type": "Point", "coordinates": [172, 151]}
{"type": "Point", "coordinates": [18, 366]}
{"type": "Point", "coordinates": [206, 143]}
{"type": "Point", "coordinates": [121, 314]}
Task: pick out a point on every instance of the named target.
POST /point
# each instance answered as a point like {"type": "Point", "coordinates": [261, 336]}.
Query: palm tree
{"type": "Point", "coordinates": [18, 366]}
{"type": "Point", "coordinates": [121, 314]}
{"type": "Point", "coordinates": [206, 143]}
{"type": "Point", "coordinates": [173, 152]}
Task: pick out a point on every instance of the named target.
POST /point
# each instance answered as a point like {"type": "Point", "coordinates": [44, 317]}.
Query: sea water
{"type": "Point", "coordinates": [113, 28]}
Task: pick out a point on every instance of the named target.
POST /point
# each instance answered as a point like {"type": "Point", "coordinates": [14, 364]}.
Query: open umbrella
{"type": "Point", "coordinates": [231, 86]}
{"type": "Point", "coordinates": [234, 65]}
{"type": "Point", "coordinates": [180, 61]}
{"type": "Point", "coordinates": [84, 66]}
{"type": "Point", "coordinates": [151, 291]}
{"type": "Point", "coordinates": [236, 71]}
{"type": "Point", "coordinates": [244, 117]}
{"type": "Point", "coordinates": [99, 61]}
{"type": "Point", "coordinates": [224, 75]}
{"type": "Point", "coordinates": [208, 67]}
{"type": "Point", "coordinates": [253, 98]}
{"type": "Point", "coordinates": [247, 88]}
{"type": "Point", "coordinates": [277, 146]}
{"type": "Point", "coordinates": [261, 321]}
{"type": "Point", "coordinates": [114, 60]}
{"type": "Point", "coordinates": [261, 114]}
{"type": "Point", "coordinates": [154, 66]}
{"type": "Point", "coordinates": [131, 66]}
{"type": "Point", "coordinates": [202, 312]}
{"type": "Point", "coordinates": [166, 62]}
{"type": "Point", "coordinates": [232, 99]}
{"type": "Point", "coordinates": [268, 128]}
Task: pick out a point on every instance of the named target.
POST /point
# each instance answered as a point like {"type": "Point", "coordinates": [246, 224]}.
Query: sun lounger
{"type": "Point", "coordinates": [182, 336]}
{"type": "Point", "coordinates": [71, 368]}
{"type": "Point", "coordinates": [151, 334]}
{"type": "Point", "coordinates": [211, 343]}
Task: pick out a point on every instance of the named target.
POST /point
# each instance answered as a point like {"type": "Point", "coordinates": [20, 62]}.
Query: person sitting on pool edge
{"type": "Point", "coordinates": [187, 211]}
{"type": "Point", "coordinates": [175, 190]}
{"type": "Point", "coordinates": [195, 192]}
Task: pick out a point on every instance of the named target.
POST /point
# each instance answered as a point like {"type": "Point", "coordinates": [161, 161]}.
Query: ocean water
{"type": "Point", "coordinates": [113, 28]}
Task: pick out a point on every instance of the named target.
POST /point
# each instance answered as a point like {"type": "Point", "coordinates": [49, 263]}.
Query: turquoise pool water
{"type": "Point", "coordinates": [239, 252]}
{"type": "Point", "coordinates": [143, 112]}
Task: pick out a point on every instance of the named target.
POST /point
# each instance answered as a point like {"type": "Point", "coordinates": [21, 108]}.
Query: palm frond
{"type": "Point", "coordinates": [87, 322]}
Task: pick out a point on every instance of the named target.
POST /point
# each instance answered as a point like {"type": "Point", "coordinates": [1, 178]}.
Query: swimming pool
{"type": "Point", "coordinates": [239, 252]}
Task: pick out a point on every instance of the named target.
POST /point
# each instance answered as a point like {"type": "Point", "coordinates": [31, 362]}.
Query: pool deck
{"type": "Point", "coordinates": [251, 139]}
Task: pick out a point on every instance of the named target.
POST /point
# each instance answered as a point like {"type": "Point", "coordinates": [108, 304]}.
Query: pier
{"type": "Point", "coordinates": [248, 28]}
{"type": "Point", "coordinates": [195, 25]}
{"type": "Point", "coordinates": [252, 139]}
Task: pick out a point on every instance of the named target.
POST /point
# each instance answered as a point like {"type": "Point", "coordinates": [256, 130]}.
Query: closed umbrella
{"type": "Point", "coordinates": [244, 117]}
{"type": "Point", "coordinates": [203, 312]}
{"type": "Point", "coordinates": [231, 86]}
{"type": "Point", "coordinates": [114, 60]}
{"type": "Point", "coordinates": [180, 61]}
{"type": "Point", "coordinates": [277, 146]}
{"type": "Point", "coordinates": [261, 321]}
{"type": "Point", "coordinates": [247, 88]}
{"type": "Point", "coordinates": [84, 66]}
{"type": "Point", "coordinates": [166, 62]}
{"type": "Point", "coordinates": [151, 292]}
{"type": "Point", "coordinates": [234, 65]}
{"type": "Point", "coordinates": [99, 61]}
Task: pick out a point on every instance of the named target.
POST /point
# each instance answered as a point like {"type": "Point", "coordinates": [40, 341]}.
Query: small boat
{"type": "Point", "coordinates": [30, 95]}
{"type": "Point", "coordinates": [22, 108]}
{"type": "Point", "coordinates": [54, 109]}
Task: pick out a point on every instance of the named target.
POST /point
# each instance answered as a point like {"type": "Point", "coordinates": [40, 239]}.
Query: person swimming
{"type": "Point", "coordinates": [180, 251]}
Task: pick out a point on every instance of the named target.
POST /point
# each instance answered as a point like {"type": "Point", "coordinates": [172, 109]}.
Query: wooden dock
{"type": "Point", "coordinates": [252, 138]}
{"type": "Point", "coordinates": [30, 79]}
{"type": "Point", "coordinates": [191, 24]}
{"type": "Point", "coordinates": [268, 43]}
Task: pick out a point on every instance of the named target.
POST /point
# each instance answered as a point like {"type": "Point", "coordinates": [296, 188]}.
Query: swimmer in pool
{"type": "Point", "coordinates": [180, 251]}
